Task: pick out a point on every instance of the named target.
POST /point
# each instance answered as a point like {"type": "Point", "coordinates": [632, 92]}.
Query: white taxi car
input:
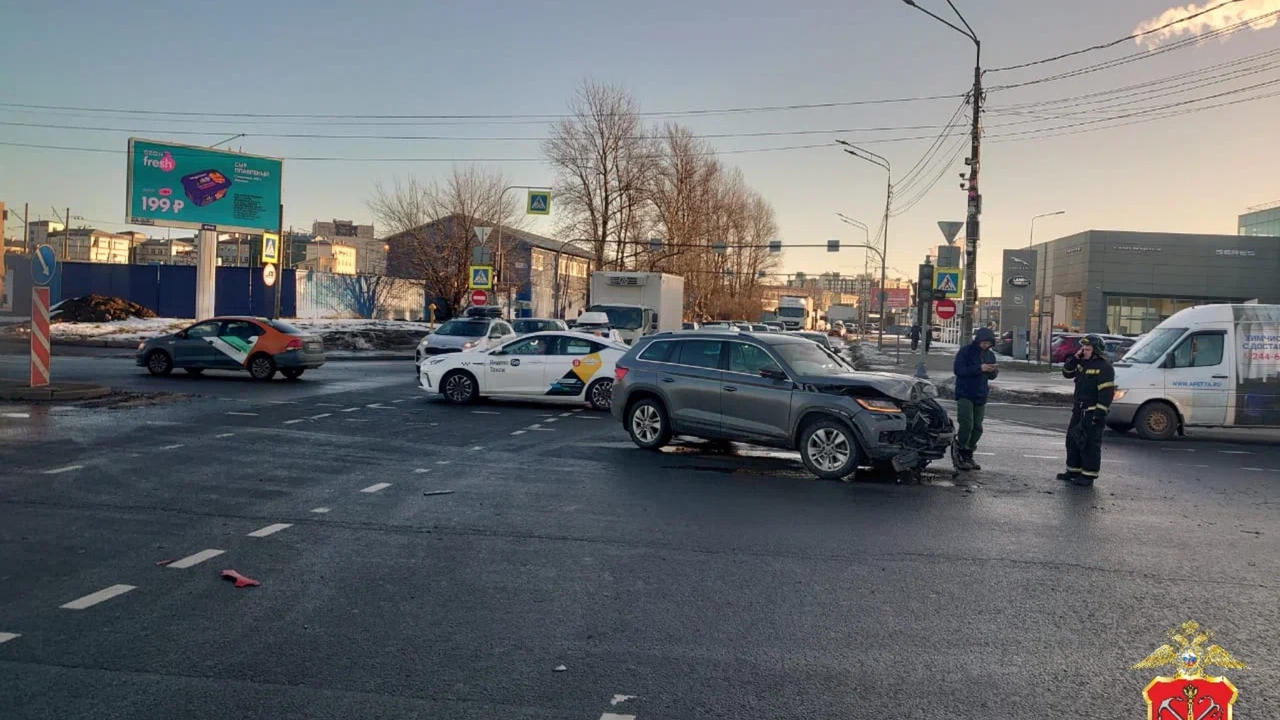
{"type": "Point", "coordinates": [556, 365]}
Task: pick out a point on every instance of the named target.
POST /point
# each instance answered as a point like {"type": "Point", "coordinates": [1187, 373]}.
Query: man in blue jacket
{"type": "Point", "coordinates": [975, 364]}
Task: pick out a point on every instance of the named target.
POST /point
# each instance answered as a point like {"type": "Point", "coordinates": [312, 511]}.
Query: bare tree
{"type": "Point", "coordinates": [433, 226]}
{"type": "Point", "coordinates": [366, 295]}
{"type": "Point", "coordinates": [602, 159]}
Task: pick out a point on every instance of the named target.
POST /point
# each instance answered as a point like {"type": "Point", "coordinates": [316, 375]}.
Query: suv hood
{"type": "Point", "coordinates": [899, 387]}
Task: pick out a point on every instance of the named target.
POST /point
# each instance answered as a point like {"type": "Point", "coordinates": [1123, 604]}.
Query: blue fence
{"type": "Point", "coordinates": [168, 290]}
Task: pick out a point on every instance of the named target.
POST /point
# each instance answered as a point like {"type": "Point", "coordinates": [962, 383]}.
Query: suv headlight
{"type": "Point", "coordinates": [470, 344]}
{"type": "Point", "coordinates": [142, 345]}
{"type": "Point", "coordinates": [1119, 394]}
{"type": "Point", "coordinates": [883, 405]}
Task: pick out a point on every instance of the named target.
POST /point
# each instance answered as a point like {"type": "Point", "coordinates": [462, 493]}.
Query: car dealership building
{"type": "Point", "coordinates": [1110, 281]}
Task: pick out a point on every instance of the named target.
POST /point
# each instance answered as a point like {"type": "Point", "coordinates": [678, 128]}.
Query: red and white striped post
{"type": "Point", "coordinates": [39, 336]}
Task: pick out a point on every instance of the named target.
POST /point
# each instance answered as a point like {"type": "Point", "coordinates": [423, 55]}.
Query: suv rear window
{"type": "Point", "coordinates": [658, 351]}
{"type": "Point", "coordinates": [701, 353]}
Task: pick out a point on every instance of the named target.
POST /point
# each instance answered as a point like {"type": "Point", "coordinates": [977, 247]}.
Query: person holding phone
{"type": "Point", "coordinates": [974, 366]}
{"type": "Point", "coordinates": [1095, 386]}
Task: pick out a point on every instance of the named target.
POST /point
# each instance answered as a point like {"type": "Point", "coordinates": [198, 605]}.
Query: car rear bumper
{"type": "Point", "coordinates": [298, 360]}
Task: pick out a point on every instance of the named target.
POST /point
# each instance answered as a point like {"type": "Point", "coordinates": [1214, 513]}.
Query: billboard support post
{"type": "Point", "coordinates": [283, 258]}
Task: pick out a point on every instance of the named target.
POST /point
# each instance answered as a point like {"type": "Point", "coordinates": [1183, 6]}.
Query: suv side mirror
{"type": "Point", "coordinates": [773, 374]}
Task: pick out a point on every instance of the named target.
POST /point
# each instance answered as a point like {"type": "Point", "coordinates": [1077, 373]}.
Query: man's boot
{"type": "Point", "coordinates": [1067, 476]}
{"type": "Point", "coordinates": [958, 458]}
{"type": "Point", "coordinates": [968, 458]}
{"type": "Point", "coordinates": [1082, 480]}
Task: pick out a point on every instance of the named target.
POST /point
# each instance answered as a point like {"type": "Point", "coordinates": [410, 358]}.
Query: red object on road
{"type": "Point", "coordinates": [39, 336]}
{"type": "Point", "coordinates": [241, 580]}
{"type": "Point", "coordinates": [479, 297]}
{"type": "Point", "coordinates": [946, 309]}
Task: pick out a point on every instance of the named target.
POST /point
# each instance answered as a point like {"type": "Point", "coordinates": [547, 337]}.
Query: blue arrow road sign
{"type": "Point", "coordinates": [44, 265]}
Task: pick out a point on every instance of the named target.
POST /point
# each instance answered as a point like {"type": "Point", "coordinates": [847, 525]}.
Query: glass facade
{"type": "Point", "coordinates": [1262, 222]}
{"type": "Point", "coordinates": [1132, 315]}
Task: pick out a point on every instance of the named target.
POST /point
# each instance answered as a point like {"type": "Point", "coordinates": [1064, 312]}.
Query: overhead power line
{"type": "Point", "coordinates": [1113, 43]}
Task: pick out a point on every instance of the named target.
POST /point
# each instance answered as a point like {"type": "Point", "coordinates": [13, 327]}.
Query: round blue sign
{"type": "Point", "coordinates": [44, 265]}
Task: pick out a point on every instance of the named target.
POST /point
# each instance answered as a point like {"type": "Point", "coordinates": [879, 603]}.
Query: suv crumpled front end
{"type": "Point", "coordinates": [910, 439]}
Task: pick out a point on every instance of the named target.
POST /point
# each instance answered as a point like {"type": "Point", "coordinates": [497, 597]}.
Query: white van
{"type": "Point", "coordinates": [1206, 366]}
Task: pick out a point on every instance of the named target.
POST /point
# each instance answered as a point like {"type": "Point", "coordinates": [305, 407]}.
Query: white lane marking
{"type": "Point", "coordinates": [320, 510]}
{"type": "Point", "coordinates": [519, 432]}
{"type": "Point", "coordinates": [484, 412]}
{"type": "Point", "coordinates": [16, 416]}
{"type": "Point", "coordinates": [551, 420]}
{"type": "Point", "coordinates": [1042, 457]}
{"type": "Point", "coordinates": [356, 420]}
{"type": "Point", "coordinates": [398, 401]}
{"type": "Point", "coordinates": [534, 426]}
{"type": "Point", "coordinates": [984, 453]}
{"type": "Point", "coordinates": [1260, 469]}
{"type": "Point", "coordinates": [567, 415]}
{"type": "Point", "coordinates": [578, 410]}
{"type": "Point", "coordinates": [1199, 466]}
{"type": "Point", "coordinates": [422, 470]}
{"type": "Point", "coordinates": [270, 529]}
{"type": "Point", "coordinates": [66, 468]}
{"type": "Point", "coordinates": [477, 447]}
{"type": "Point", "coordinates": [1178, 449]}
{"type": "Point", "coordinates": [7, 636]}
{"type": "Point", "coordinates": [224, 435]}
{"type": "Point", "coordinates": [298, 420]}
{"type": "Point", "coordinates": [616, 716]}
{"type": "Point", "coordinates": [621, 699]}
{"type": "Point", "coordinates": [243, 414]}
{"type": "Point", "coordinates": [443, 462]}
{"type": "Point", "coordinates": [1115, 461]}
{"type": "Point", "coordinates": [195, 559]}
{"type": "Point", "coordinates": [328, 405]}
{"type": "Point", "coordinates": [1236, 452]}
{"type": "Point", "coordinates": [350, 409]}
{"type": "Point", "coordinates": [321, 415]}
{"type": "Point", "coordinates": [174, 446]}
{"type": "Point", "coordinates": [283, 402]}
{"type": "Point", "coordinates": [377, 406]}
{"type": "Point", "coordinates": [92, 599]}
{"type": "Point", "coordinates": [543, 429]}
{"type": "Point", "coordinates": [587, 417]}
{"type": "Point", "coordinates": [376, 487]}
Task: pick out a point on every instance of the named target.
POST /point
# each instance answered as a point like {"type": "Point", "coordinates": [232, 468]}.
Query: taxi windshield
{"type": "Point", "coordinates": [463, 328]}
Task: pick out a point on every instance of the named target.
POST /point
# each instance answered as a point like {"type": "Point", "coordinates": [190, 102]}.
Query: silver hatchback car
{"type": "Point", "coordinates": [779, 390]}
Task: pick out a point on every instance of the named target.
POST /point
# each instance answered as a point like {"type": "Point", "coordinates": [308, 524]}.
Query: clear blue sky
{"type": "Point", "coordinates": [1193, 173]}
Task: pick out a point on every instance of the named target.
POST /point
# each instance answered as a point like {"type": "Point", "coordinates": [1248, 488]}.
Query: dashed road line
{"type": "Point", "coordinates": [616, 716]}
{"type": "Point", "coordinates": [1042, 457]}
{"type": "Point", "coordinates": [378, 406]}
{"type": "Point", "coordinates": [578, 410]}
{"type": "Point", "coordinates": [269, 530]}
{"type": "Point", "coordinates": [1200, 466]}
{"type": "Point", "coordinates": [283, 402]}
{"type": "Point", "coordinates": [534, 426]}
{"type": "Point", "coordinates": [565, 414]}
{"type": "Point", "coordinates": [1260, 469]}
{"type": "Point", "coordinates": [224, 435]}
{"type": "Point", "coordinates": [376, 487]}
{"type": "Point", "coordinates": [195, 559]}
{"type": "Point", "coordinates": [7, 636]}
{"type": "Point", "coordinates": [295, 420]}
{"type": "Point", "coordinates": [587, 417]}
{"type": "Point", "coordinates": [551, 420]}
{"type": "Point", "coordinates": [519, 432]}
{"type": "Point", "coordinates": [321, 415]}
{"type": "Point", "coordinates": [1236, 452]}
{"type": "Point", "coordinates": [350, 409]}
{"type": "Point", "coordinates": [320, 510]}
{"type": "Point", "coordinates": [16, 415]}
{"type": "Point", "coordinates": [422, 470]}
{"type": "Point", "coordinates": [174, 446]}
{"type": "Point", "coordinates": [356, 420]}
{"type": "Point", "coordinates": [485, 412]}
{"type": "Point", "coordinates": [984, 453]}
{"type": "Point", "coordinates": [337, 405]}
{"type": "Point", "coordinates": [398, 401]}
{"type": "Point", "coordinates": [1169, 449]}
{"type": "Point", "coordinates": [443, 462]}
{"type": "Point", "coordinates": [92, 599]}
{"type": "Point", "coordinates": [242, 414]}
{"type": "Point", "coordinates": [477, 447]}
{"type": "Point", "coordinates": [65, 468]}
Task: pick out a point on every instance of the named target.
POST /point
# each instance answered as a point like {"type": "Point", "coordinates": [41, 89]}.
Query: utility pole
{"type": "Point", "coordinates": [280, 239]}
{"type": "Point", "coordinates": [26, 228]}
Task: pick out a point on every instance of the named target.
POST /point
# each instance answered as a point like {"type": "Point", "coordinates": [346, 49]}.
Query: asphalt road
{"type": "Point", "coordinates": [443, 561]}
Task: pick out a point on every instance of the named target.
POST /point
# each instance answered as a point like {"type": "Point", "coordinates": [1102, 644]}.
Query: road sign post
{"type": "Point", "coordinates": [924, 311]}
{"type": "Point", "coordinates": [44, 267]}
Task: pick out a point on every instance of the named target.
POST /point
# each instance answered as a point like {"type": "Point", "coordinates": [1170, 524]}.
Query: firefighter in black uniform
{"type": "Point", "coordinates": [1095, 386]}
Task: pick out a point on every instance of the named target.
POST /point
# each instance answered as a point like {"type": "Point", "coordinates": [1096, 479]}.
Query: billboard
{"type": "Point", "coordinates": [1017, 289]}
{"type": "Point", "coordinates": [894, 299]}
{"type": "Point", "coordinates": [171, 185]}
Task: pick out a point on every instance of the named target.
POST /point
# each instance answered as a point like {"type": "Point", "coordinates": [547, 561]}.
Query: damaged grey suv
{"type": "Point", "coordinates": [781, 391]}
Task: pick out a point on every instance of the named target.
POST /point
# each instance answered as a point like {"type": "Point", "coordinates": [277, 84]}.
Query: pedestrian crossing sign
{"type": "Point", "coordinates": [948, 281]}
{"type": "Point", "coordinates": [481, 277]}
{"type": "Point", "coordinates": [539, 202]}
{"type": "Point", "coordinates": [270, 248]}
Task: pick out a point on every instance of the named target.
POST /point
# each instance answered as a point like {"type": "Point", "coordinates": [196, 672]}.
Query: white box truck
{"type": "Point", "coordinates": [638, 303]}
{"type": "Point", "coordinates": [793, 312]}
{"type": "Point", "coordinates": [1206, 366]}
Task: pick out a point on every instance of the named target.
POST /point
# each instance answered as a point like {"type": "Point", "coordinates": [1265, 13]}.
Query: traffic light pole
{"type": "Point", "coordinates": [924, 313]}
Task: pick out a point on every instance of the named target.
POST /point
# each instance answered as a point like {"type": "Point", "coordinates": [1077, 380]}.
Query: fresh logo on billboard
{"type": "Point", "coordinates": [163, 162]}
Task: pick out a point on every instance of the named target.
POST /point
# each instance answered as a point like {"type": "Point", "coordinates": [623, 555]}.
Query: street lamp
{"type": "Point", "coordinates": [866, 240]}
{"type": "Point", "coordinates": [975, 152]}
{"type": "Point", "coordinates": [880, 160]}
{"type": "Point", "coordinates": [1032, 237]}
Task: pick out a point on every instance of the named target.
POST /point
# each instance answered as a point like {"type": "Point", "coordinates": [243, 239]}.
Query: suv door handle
{"type": "Point", "coordinates": [730, 388]}
{"type": "Point", "coordinates": [1220, 377]}
{"type": "Point", "coordinates": [668, 379]}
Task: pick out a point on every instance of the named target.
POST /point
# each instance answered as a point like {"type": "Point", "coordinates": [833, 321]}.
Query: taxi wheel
{"type": "Point", "coordinates": [459, 387]}
{"type": "Point", "coordinates": [159, 363]}
{"type": "Point", "coordinates": [600, 395]}
{"type": "Point", "coordinates": [262, 367]}
{"type": "Point", "coordinates": [292, 373]}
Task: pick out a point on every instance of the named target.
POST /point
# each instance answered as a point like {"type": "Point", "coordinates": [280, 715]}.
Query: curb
{"type": "Point", "coordinates": [60, 392]}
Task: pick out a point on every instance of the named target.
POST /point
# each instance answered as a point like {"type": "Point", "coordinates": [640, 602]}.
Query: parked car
{"type": "Point", "coordinates": [779, 390]}
{"type": "Point", "coordinates": [690, 326]}
{"type": "Point", "coordinates": [1066, 345]}
{"type": "Point", "coordinates": [524, 326]}
{"type": "Point", "coordinates": [760, 327]}
{"type": "Point", "coordinates": [821, 338]}
{"type": "Point", "coordinates": [837, 329]}
{"type": "Point", "coordinates": [561, 365]}
{"type": "Point", "coordinates": [774, 326]}
{"type": "Point", "coordinates": [258, 345]}
{"type": "Point", "coordinates": [462, 334]}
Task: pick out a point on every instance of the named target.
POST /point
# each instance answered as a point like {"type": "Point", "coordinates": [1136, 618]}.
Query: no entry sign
{"type": "Point", "coordinates": [946, 309]}
{"type": "Point", "coordinates": [479, 297]}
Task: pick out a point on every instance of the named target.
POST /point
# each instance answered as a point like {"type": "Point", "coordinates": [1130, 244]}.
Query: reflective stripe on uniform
{"type": "Point", "coordinates": [1071, 469]}
{"type": "Point", "coordinates": [1089, 473]}
{"type": "Point", "coordinates": [1105, 385]}
{"type": "Point", "coordinates": [1068, 372]}
{"type": "Point", "coordinates": [1103, 408]}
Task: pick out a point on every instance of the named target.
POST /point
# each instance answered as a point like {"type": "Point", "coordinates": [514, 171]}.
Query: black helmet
{"type": "Point", "coordinates": [1096, 341]}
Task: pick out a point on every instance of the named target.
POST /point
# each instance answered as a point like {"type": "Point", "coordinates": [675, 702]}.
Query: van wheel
{"type": "Point", "coordinates": [600, 395]}
{"type": "Point", "coordinates": [829, 450]}
{"type": "Point", "coordinates": [1156, 421]}
{"type": "Point", "coordinates": [648, 425]}
{"type": "Point", "coordinates": [159, 363]}
{"type": "Point", "coordinates": [459, 387]}
{"type": "Point", "coordinates": [1120, 427]}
